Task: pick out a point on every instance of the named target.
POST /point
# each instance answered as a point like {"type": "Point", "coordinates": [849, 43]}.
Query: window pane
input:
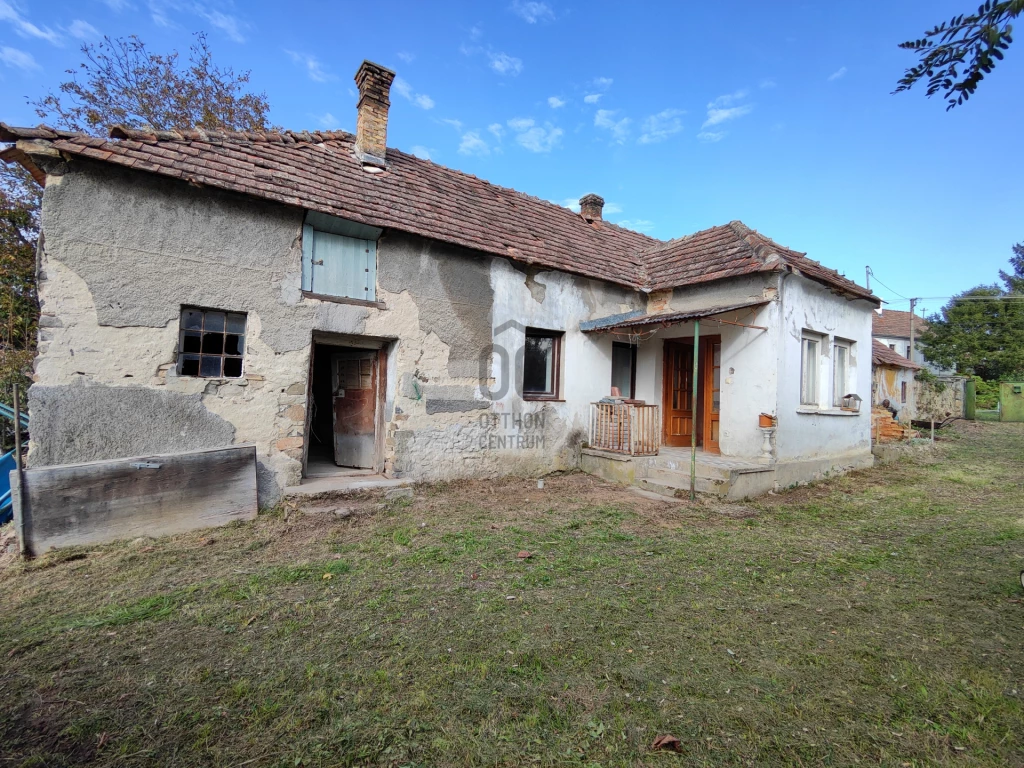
{"type": "Point", "coordinates": [190, 365]}
{"type": "Point", "coordinates": [236, 323]}
{"type": "Point", "coordinates": [809, 372]}
{"type": "Point", "coordinates": [189, 341]}
{"type": "Point", "coordinates": [192, 319]}
{"type": "Point", "coordinates": [538, 365]}
{"type": "Point", "coordinates": [214, 321]}
{"type": "Point", "coordinates": [210, 366]}
{"type": "Point", "coordinates": [622, 369]}
{"type": "Point", "coordinates": [233, 344]}
{"type": "Point", "coordinates": [213, 343]}
{"type": "Point", "coordinates": [232, 367]}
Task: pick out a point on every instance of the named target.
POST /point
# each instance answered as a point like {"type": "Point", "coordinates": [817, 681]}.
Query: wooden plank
{"type": "Point", "coordinates": [102, 501]}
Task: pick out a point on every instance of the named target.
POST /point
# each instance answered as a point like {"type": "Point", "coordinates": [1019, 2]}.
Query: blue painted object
{"type": "Point", "coordinates": [8, 413]}
{"type": "Point", "coordinates": [7, 465]}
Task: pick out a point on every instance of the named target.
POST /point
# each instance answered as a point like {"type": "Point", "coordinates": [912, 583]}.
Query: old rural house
{"type": "Point", "coordinates": [891, 328]}
{"type": "Point", "coordinates": [338, 303]}
{"type": "Point", "coordinates": [893, 386]}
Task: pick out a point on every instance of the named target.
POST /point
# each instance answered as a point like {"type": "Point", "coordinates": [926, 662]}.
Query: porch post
{"type": "Point", "coordinates": [693, 411]}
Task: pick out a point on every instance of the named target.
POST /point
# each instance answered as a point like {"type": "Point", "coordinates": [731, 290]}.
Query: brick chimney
{"type": "Point", "coordinates": [374, 82]}
{"type": "Point", "coordinates": [591, 206]}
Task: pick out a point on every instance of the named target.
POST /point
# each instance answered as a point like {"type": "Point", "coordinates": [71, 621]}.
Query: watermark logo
{"type": "Point", "coordinates": [512, 431]}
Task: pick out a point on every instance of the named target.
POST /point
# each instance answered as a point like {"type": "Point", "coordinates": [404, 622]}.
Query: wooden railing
{"type": "Point", "coordinates": [625, 428]}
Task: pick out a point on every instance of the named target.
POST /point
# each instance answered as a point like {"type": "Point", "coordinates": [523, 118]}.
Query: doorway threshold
{"type": "Point", "coordinates": [345, 482]}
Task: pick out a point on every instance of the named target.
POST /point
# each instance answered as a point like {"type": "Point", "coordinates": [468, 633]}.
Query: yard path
{"type": "Point", "coordinates": [875, 618]}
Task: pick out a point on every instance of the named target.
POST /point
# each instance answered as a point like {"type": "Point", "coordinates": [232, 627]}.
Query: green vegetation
{"type": "Point", "coordinates": [873, 618]}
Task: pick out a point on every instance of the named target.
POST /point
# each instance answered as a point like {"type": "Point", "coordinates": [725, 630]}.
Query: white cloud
{"type": "Point", "coordinates": [554, 102]}
{"type": "Point", "coordinates": [117, 5]}
{"type": "Point", "coordinates": [711, 136]}
{"type": "Point", "coordinates": [592, 98]}
{"type": "Point", "coordinates": [404, 90]}
{"type": "Point", "coordinates": [406, 56]}
{"type": "Point", "coordinates": [226, 23]}
{"type": "Point", "coordinates": [456, 124]}
{"type": "Point", "coordinates": [605, 118]}
{"type": "Point", "coordinates": [314, 68]}
{"type": "Point", "coordinates": [472, 144]}
{"type": "Point", "coordinates": [612, 208]}
{"type": "Point", "coordinates": [572, 203]}
{"type": "Point", "coordinates": [662, 125]}
{"type": "Point", "coordinates": [837, 74]}
{"type": "Point", "coordinates": [716, 116]}
{"type": "Point", "coordinates": [421, 152]}
{"type": "Point", "coordinates": [25, 28]}
{"type": "Point", "coordinates": [534, 137]}
{"type": "Point", "coordinates": [504, 64]}
{"type": "Point", "coordinates": [767, 83]}
{"type": "Point", "coordinates": [728, 98]}
{"type": "Point", "coordinates": [83, 30]}
{"type": "Point", "coordinates": [497, 129]}
{"type": "Point", "coordinates": [230, 25]}
{"type": "Point", "coordinates": [326, 120]}
{"type": "Point", "coordinates": [532, 12]}
{"type": "Point", "coordinates": [637, 225]}
{"type": "Point", "coordinates": [602, 82]}
{"type": "Point", "coordinates": [12, 57]}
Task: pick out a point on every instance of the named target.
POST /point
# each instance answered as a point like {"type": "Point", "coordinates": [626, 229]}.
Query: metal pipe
{"type": "Point", "coordinates": [17, 426]}
{"type": "Point", "coordinates": [693, 411]}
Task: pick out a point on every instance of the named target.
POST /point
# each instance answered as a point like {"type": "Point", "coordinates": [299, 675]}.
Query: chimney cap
{"type": "Point", "coordinates": [372, 68]}
{"type": "Point", "coordinates": [591, 206]}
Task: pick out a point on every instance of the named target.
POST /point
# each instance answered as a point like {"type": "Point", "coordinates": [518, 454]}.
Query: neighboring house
{"type": "Point", "coordinates": [893, 386]}
{"type": "Point", "coordinates": [892, 328]}
{"type": "Point", "coordinates": [338, 303]}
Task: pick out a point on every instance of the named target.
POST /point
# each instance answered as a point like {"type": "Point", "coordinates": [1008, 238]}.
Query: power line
{"type": "Point", "coordinates": [905, 298]}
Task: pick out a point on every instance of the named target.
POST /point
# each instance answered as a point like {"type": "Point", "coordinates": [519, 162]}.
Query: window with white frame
{"type": "Point", "coordinates": [840, 371]}
{"type": "Point", "coordinates": [810, 366]}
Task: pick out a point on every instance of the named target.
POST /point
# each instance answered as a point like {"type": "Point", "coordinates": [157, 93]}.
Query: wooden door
{"type": "Point", "coordinates": [677, 394]}
{"type": "Point", "coordinates": [712, 401]}
{"type": "Point", "coordinates": [354, 382]}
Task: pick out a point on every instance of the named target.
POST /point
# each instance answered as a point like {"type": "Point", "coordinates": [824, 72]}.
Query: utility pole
{"type": "Point", "coordinates": [913, 303]}
{"type": "Point", "coordinates": [867, 277]}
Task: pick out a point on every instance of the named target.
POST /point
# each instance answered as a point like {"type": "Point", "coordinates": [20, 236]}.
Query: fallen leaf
{"type": "Point", "coordinates": [328, 576]}
{"type": "Point", "coordinates": [147, 549]}
{"type": "Point", "coordinates": [669, 742]}
{"type": "Point", "coordinates": [524, 554]}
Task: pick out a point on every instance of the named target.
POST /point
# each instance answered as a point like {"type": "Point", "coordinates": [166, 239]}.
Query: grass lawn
{"type": "Point", "coordinates": [873, 619]}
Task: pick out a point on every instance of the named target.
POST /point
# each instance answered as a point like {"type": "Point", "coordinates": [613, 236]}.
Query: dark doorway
{"type": "Point", "coordinates": [345, 402]}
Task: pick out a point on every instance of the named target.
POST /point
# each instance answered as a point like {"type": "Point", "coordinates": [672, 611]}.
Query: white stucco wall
{"type": "Point", "coordinates": [814, 433]}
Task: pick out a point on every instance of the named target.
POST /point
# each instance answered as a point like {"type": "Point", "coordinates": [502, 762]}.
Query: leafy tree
{"type": "Point", "coordinates": [121, 82]}
{"type": "Point", "coordinates": [955, 56]}
{"type": "Point", "coordinates": [979, 336]}
{"type": "Point", "coordinates": [124, 84]}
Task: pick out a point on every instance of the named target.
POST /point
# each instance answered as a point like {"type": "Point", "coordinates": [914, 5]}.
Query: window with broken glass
{"type": "Point", "coordinates": [211, 343]}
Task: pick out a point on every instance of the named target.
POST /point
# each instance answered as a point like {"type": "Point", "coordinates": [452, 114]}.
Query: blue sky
{"type": "Point", "coordinates": [681, 115]}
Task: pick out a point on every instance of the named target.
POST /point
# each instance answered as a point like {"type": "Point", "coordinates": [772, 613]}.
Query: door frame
{"type": "Point", "coordinates": [701, 419]}
{"type": "Point", "coordinates": [383, 347]}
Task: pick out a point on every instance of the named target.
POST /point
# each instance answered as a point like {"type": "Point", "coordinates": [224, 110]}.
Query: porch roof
{"type": "Point", "coordinates": [638, 317]}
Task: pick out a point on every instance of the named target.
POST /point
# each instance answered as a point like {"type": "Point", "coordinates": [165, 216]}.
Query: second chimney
{"type": "Point", "coordinates": [374, 82]}
{"type": "Point", "coordinates": [591, 207]}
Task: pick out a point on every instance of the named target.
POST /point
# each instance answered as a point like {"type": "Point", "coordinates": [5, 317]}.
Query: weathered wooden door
{"type": "Point", "coordinates": [712, 362]}
{"type": "Point", "coordinates": [354, 385]}
{"type": "Point", "coordinates": [677, 392]}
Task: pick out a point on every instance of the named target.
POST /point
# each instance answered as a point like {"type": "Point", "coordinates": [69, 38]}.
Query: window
{"type": "Point", "coordinates": [840, 372]}
{"type": "Point", "coordinates": [211, 343]}
{"type": "Point", "coordinates": [809, 365]}
{"type": "Point", "coordinates": [903, 392]}
{"type": "Point", "coordinates": [908, 352]}
{"type": "Point", "coordinates": [892, 347]}
{"type": "Point", "coordinates": [340, 266]}
{"type": "Point", "coordinates": [624, 368]}
{"type": "Point", "coordinates": [541, 363]}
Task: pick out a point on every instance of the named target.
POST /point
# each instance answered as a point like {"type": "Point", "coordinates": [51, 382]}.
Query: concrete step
{"type": "Point", "coordinates": [703, 485]}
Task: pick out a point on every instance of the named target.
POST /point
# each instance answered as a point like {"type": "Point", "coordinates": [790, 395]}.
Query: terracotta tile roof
{"type": "Point", "coordinates": [731, 250]}
{"type": "Point", "coordinates": [318, 171]}
{"type": "Point", "coordinates": [892, 323]}
{"type": "Point", "coordinates": [882, 355]}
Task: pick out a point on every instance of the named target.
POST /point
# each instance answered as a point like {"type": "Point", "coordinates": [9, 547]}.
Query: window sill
{"type": "Point", "coordinates": [529, 399]}
{"type": "Point", "coordinates": [826, 411]}
{"type": "Point", "coordinates": [344, 300]}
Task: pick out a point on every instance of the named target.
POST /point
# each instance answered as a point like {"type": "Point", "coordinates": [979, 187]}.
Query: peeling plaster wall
{"type": "Point", "coordinates": [887, 383]}
{"type": "Point", "coordinates": [828, 432]}
{"type": "Point", "coordinates": [125, 251]}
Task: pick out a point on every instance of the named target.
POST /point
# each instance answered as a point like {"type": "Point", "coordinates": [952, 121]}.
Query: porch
{"type": "Point", "coordinates": [668, 473]}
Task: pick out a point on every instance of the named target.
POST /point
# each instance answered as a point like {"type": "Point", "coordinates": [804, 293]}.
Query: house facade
{"type": "Point", "coordinates": [338, 303]}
